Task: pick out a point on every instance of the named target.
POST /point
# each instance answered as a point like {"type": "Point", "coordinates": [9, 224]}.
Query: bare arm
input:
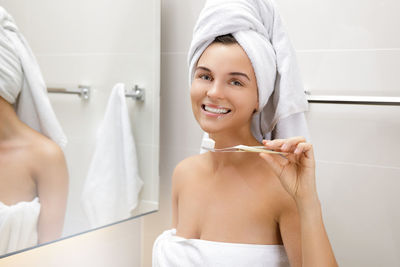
{"type": "Point", "coordinates": [304, 236]}
{"type": "Point", "coordinates": [180, 176]}
{"type": "Point", "coordinates": [317, 250]}
{"type": "Point", "coordinates": [174, 201]}
{"type": "Point", "coordinates": [52, 186]}
{"type": "Point", "coordinates": [177, 180]}
{"type": "Point", "coordinates": [289, 226]}
{"type": "Point", "coordinates": [302, 214]}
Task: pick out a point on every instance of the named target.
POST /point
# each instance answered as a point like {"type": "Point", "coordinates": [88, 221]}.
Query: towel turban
{"type": "Point", "coordinates": [22, 84]}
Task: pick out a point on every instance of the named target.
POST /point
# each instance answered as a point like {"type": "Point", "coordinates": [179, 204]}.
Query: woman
{"type": "Point", "coordinates": [33, 182]}
{"type": "Point", "coordinates": [244, 209]}
{"type": "Point", "coordinates": [33, 173]}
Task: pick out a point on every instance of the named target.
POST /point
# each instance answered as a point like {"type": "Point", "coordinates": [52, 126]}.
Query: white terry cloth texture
{"type": "Point", "coordinates": [18, 225]}
{"type": "Point", "coordinates": [112, 186]}
{"type": "Point", "coordinates": [171, 250]}
{"type": "Point", "coordinates": [22, 84]}
{"type": "Point", "coordinates": [258, 28]}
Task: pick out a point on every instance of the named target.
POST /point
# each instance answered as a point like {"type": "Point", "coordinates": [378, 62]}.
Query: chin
{"type": "Point", "coordinates": [211, 129]}
{"type": "Point", "coordinates": [216, 129]}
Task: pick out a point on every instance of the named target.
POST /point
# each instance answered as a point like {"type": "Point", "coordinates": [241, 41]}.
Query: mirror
{"type": "Point", "coordinates": [96, 45]}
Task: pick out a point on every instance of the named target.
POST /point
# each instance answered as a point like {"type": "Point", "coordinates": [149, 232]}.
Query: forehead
{"type": "Point", "coordinates": [227, 58]}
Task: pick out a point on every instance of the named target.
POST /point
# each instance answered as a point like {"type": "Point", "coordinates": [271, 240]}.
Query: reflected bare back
{"type": "Point", "coordinates": [17, 181]}
{"type": "Point", "coordinates": [31, 165]}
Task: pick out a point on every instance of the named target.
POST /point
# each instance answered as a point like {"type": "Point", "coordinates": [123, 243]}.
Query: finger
{"type": "Point", "coordinates": [291, 143]}
{"type": "Point", "coordinates": [273, 144]}
{"type": "Point", "coordinates": [275, 162]}
{"type": "Point", "coordinates": [309, 154]}
{"type": "Point", "coordinates": [286, 145]}
{"type": "Point", "coordinates": [299, 148]}
{"type": "Point", "coordinates": [292, 158]}
{"type": "Point", "coordinates": [305, 153]}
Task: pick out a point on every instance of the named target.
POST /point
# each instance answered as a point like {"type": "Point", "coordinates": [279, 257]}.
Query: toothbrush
{"type": "Point", "coordinates": [209, 144]}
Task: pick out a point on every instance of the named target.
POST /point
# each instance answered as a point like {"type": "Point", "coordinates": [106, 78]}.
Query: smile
{"type": "Point", "coordinates": [215, 110]}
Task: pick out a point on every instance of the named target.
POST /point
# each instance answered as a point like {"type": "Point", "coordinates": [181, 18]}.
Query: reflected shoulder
{"type": "Point", "coordinates": [48, 150]}
{"type": "Point", "coordinates": [49, 159]}
{"type": "Point", "coordinates": [42, 146]}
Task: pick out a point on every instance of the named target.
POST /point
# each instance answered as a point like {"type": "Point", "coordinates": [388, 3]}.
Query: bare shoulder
{"type": "Point", "coordinates": [47, 150]}
{"type": "Point", "coordinates": [196, 162]}
{"type": "Point", "coordinates": [48, 156]}
{"type": "Point", "coordinates": [188, 169]}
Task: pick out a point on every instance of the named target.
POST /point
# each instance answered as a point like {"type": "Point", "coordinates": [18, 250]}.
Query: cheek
{"type": "Point", "coordinates": [248, 102]}
{"type": "Point", "coordinates": [196, 93]}
{"type": "Point", "coordinates": [195, 98]}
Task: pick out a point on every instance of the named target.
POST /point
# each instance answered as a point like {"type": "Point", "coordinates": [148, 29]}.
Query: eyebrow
{"type": "Point", "coordinates": [231, 73]}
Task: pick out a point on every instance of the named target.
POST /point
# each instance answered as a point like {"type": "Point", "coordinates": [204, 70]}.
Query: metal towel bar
{"type": "Point", "coordinates": [84, 92]}
{"type": "Point", "coordinates": [137, 94]}
{"type": "Point", "coordinates": [357, 100]}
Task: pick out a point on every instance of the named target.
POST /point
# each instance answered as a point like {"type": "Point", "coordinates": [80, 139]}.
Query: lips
{"type": "Point", "coordinates": [215, 109]}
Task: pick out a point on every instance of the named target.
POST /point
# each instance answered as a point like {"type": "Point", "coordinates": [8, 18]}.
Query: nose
{"type": "Point", "coordinates": [216, 91]}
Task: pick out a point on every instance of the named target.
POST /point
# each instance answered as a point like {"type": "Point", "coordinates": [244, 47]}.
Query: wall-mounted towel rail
{"type": "Point", "coordinates": [83, 91]}
{"type": "Point", "coordinates": [357, 100]}
{"type": "Point", "coordinates": [135, 93]}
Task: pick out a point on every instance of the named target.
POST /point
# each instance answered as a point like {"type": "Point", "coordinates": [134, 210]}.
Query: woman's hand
{"type": "Point", "coordinates": [295, 170]}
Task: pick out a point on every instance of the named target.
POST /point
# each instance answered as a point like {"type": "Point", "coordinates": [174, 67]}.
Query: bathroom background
{"type": "Point", "coordinates": [98, 44]}
{"type": "Point", "coordinates": [343, 47]}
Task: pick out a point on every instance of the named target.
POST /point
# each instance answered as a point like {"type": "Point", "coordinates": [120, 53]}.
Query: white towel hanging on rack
{"type": "Point", "coordinates": [113, 184]}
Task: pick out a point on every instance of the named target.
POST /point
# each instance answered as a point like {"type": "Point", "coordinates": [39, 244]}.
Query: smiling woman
{"type": "Point", "coordinates": [264, 208]}
{"type": "Point", "coordinates": [245, 209]}
{"type": "Point", "coordinates": [224, 90]}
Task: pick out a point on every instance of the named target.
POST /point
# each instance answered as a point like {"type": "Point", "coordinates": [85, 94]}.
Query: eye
{"type": "Point", "coordinates": [205, 77]}
{"type": "Point", "coordinates": [236, 83]}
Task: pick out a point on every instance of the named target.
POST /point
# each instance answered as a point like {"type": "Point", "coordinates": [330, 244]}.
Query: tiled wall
{"type": "Point", "coordinates": [343, 46]}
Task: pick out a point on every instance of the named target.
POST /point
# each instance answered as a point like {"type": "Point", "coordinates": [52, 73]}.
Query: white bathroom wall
{"type": "Point", "coordinates": [98, 43]}
{"type": "Point", "coordinates": [350, 47]}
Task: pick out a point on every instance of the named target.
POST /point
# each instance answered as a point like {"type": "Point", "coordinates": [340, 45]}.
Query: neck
{"type": "Point", "coordinates": [9, 121]}
{"type": "Point", "coordinates": [223, 140]}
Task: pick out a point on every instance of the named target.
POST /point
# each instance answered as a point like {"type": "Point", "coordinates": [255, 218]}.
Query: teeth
{"type": "Point", "coordinates": [216, 110]}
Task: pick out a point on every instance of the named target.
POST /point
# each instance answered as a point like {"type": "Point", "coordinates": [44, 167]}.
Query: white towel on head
{"type": "Point", "coordinates": [112, 186]}
{"type": "Point", "coordinates": [21, 82]}
{"type": "Point", "coordinates": [258, 28]}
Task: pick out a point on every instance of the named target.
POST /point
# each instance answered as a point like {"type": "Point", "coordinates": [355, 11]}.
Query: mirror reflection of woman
{"type": "Point", "coordinates": [241, 209]}
{"type": "Point", "coordinates": [33, 172]}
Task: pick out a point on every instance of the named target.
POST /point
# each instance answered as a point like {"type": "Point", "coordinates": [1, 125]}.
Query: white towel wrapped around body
{"type": "Point", "coordinates": [22, 84]}
{"type": "Point", "coordinates": [172, 250]}
{"type": "Point", "coordinates": [18, 225]}
{"type": "Point", "coordinates": [112, 186]}
{"type": "Point", "coordinates": [258, 28]}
